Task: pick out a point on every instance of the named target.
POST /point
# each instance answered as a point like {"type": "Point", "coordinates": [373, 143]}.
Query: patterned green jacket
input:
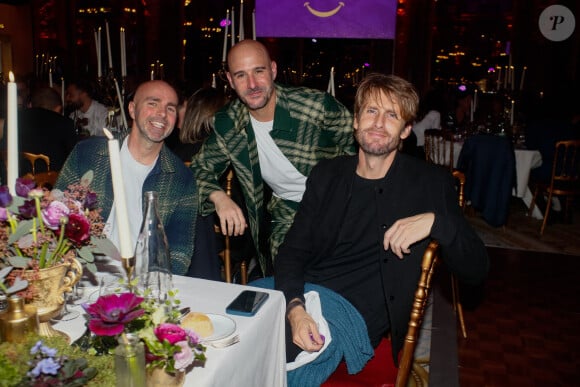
{"type": "Point", "coordinates": [309, 125]}
{"type": "Point", "coordinates": [170, 178]}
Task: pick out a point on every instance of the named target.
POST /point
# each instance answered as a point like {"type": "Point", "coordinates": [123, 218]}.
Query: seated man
{"type": "Point", "coordinates": [366, 220]}
{"type": "Point", "coordinates": [148, 165]}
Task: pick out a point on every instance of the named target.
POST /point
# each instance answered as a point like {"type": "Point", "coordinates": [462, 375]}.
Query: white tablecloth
{"type": "Point", "coordinates": [526, 160]}
{"type": "Point", "coordinates": [259, 359]}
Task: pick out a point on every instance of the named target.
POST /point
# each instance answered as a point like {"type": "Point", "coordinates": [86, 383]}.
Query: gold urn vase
{"type": "Point", "coordinates": [157, 377]}
{"type": "Point", "coordinates": [49, 286]}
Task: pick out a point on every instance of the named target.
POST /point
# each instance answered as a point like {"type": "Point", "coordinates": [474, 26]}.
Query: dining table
{"type": "Point", "coordinates": [526, 160]}
{"type": "Point", "coordinates": [258, 359]}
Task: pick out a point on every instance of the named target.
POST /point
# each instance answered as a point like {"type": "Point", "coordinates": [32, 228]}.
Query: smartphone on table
{"type": "Point", "coordinates": [247, 303]}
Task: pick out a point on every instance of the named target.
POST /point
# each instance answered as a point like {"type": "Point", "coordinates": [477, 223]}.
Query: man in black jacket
{"type": "Point", "coordinates": [365, 221]}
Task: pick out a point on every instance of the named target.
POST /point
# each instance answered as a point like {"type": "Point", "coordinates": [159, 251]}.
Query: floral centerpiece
{"type": "Point", "coordinates": [168, 346]}
{"type": "Point", "coordinates": [41, 228]}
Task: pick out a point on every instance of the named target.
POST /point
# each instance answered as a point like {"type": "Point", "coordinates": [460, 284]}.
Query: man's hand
{"type": "Point", "coordinates": [404, 232]}
{"type": "Point", "coordinates": [304, 330]}
{"type": "Point", "coordinates": [232, 221]}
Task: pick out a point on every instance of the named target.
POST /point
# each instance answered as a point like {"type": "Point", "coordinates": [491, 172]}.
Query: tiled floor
{"type": "Point", "coordinates": [525, 328]}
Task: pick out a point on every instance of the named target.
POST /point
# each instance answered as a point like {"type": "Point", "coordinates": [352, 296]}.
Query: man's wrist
{"type": "Point", "coordinates": [294, 303]}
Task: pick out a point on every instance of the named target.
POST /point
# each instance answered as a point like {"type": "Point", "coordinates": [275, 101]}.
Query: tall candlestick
{"type": "Point", "coordinates": [213, 81]}
{"type": "Point", "coordinates": [50, 77]}
{"type": "Point", "coordinates": [98, 46]}
{"type": "Point", "coordinates": [512, 113]}
{"type": "Point", "coordinates": [12, 134]}
{"type": "Point", "coordinates": [62, 93]}
{"type": "Point", "coordinates": [109, 45]}
{"type": "Point", "coordinates": [523, 77]}
{"type": "Point", "coordinates": [121, 104]}
{"type": "Point", "coordinates": [498, 77]}
{"type": "Point", "coordinates": [512, 76]}
{"type": "Point", "coordinates": [225, 48]}
{"type": "Point", "coordinates": [471, 109]}
{"type": "Point", "coordinates": [233, 28]}
{"type": "Point", "coordinates": [254, 24]}
{"type": "Point", "coordinates": [123, 54]}
{"type": "Point", "coordinates": [241, 20]}
{"type": "Point", "coordinates": [505, 78]}
{"type": "Point", "coordinates": [122, 215]}
{"type": "Point", "coordinates": [475, 100]}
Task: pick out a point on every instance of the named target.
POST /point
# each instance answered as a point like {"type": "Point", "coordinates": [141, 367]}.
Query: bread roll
{"type": "Point", "coordinates": [199, 323]}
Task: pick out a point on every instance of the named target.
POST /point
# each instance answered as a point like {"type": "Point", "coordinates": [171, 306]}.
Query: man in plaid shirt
{"type": "Point", "coordinates": [272, 135]}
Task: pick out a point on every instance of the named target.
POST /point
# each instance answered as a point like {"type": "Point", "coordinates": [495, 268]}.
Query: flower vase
{"type": "Point", "coordinates": [158, 377]}
{"type": "Point", "coordinates": [48, 286]}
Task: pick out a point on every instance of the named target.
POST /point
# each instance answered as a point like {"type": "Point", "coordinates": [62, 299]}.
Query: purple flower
{"type": "Point", "coordinates": [5, 197]}
{"type": "Point", "coordinates": [53, 213]}
{"type": "Point", "coordinates": [23, 186]}
{"type": "Point", "coordinates": [45, 366]}
{"type": "Point", "coordinates": [3, 214]}
{"type": "Point", "coordinates": [28, 209]}
{"type": "Point", "coordinates": [90, 201]}
{"type": "Point", "coordinates": [184, 357]}
{"type": "Point", "coordinates": [111, 312]}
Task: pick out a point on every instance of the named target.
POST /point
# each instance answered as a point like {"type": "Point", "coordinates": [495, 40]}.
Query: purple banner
{"type": "Point", "coordinates": [362, 19]}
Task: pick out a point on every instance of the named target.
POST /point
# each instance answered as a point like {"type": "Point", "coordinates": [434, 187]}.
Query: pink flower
{"type": "Point", "coordinates": [170, 332]}
{"type": "Point", "coordinates": [111, 312]}
{"type": "Point", "coordinates": [78, 229]}
{"type": "Point", "coordinates": [184, 357]}
{"type": "Point", "coordinates": [53, 213]}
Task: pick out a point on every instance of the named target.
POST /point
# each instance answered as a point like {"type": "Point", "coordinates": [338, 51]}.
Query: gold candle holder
{"type": "Point", "coordinates": [129, 266]}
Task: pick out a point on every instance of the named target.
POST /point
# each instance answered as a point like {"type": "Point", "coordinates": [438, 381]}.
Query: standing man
{"type": "Point", "coordinates": [272, 135]}
{"type": "Point", "coordinates": [365, 221]}
{"type": "Point", "coordinates": [89, 115]}
{"type": "Point", "coordinates": [148, 165]}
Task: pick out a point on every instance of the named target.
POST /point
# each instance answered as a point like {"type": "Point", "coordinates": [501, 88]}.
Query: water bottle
{"type": "Point", "coordinates": [152, 253]}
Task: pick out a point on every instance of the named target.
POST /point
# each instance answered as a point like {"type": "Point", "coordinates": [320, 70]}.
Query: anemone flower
{"type": "Point", "coordinates": [110, 313]}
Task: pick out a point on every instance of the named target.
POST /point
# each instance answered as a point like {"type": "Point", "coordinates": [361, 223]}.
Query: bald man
{"type": "Point", "coordinates": [148, 165]}
{"type": "Point", "coordinates": [272, 136]}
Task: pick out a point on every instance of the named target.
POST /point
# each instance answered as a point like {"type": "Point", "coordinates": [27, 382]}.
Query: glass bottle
{"type": "Point", "coordinates": [130, 361]}
{"type": "Point", "coordinates": [17, 320]}
{"type": "Point", "coordinates": [152, 252]}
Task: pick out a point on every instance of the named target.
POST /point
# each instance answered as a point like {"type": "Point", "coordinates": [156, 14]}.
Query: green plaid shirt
{"type": "Point", "coordinates": [170, 178]}
{"type": "Point", "coordinates": [309, 125]}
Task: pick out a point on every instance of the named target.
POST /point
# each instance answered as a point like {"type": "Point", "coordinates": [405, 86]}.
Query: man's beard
{"type": "Point", "coordinates": [374, 148]}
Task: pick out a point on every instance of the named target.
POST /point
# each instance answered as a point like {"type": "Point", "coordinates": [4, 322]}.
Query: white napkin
{"type": "Point", "coordinates": [313, 307]}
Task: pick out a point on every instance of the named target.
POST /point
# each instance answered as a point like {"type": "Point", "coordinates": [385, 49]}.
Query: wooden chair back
{"type": "Point", "coordinates": [430, 259]}
{"type": "Point", "coordinates": [33, 157]}
{"type": "Point", "coordinates": [226, 253]}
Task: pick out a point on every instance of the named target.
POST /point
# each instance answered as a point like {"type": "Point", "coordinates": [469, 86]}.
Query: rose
{"type": "Point", "coordinates": [28, 209]}
{"type": "Point", "coordinates": [170, 332]}
{"type": "Point", "coordinates": [53, 213]}
{"type": "Point", "coordinates": [184, 357]}
{"type": "Point", "coordinates": [5, 197]}
{"type": "Point", "coordinates": [77, 229]}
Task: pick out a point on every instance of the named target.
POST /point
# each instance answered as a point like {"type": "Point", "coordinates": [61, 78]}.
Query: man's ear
{"type": "Point", "coordinates": [132, 109]}
{"type": "Point", "coordinates": [229, 76]}
{"type": "Point", "coordinates": [406, 132]}
{"type": "Point", "coordinates": [274, 68]}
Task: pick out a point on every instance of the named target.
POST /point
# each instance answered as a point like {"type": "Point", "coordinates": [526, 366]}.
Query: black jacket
{"type": "Point", "coordinates": [410, 187]}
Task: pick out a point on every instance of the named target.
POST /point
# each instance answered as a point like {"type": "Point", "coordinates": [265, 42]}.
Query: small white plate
{"type": "Point", "coordinates": [223, 326]}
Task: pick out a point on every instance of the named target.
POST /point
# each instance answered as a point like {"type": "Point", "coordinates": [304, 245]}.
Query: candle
{"type": "Point", "coordinates": [50, 77]}
{"type": "Point", "coordinates": [62, 93]}
{"type": "Point", "coordinates": [233, 28]}
{"type": "Point", "coordinates": [98, 47]}
{"type": "Point", "coordinates": [475, 100]}
{"type": "Point", "coordinates": [122, 215]}
{"type": "Point", "coordinates": [254, 24]}
{"type": "Point", "coordinates": [330, 88]}
{"type": "Point", "coordinates": [523, 77]}
{"type": "Point", "coordinates": [109, 45]}
{"type": "Point", "coordinates": [498, 77]}
{"type": "Point", "coordinates": [512, 112]}
{"type": "Point", "coordinates": [225, 48]}
{"type": "Point", "coordinates": [213, 81]}
{"type": "Point", "coordinates": [512, 76]}
{"type": "Point", "coordinates": [12, 134]}
{"type": "Point", "coordinates": [506, 76]}
{"type": "Point", "coordinates": [121, 104]}
{"type": "Point", "coordinates": [152, 73]}
{"type": "Point", "coordinates": [241, 20]}
{"type": "Point", "coordinates": [123, 54]}
{"type": "Point", "coordinates": [471, 109]}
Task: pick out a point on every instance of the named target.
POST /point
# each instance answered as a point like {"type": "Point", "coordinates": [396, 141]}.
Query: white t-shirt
{"type": "Point", "coordinates": [432, 120]}
{"type": "Point", "coordinates": [134, 175]}
{"type": "Point", "coordinates": [277, 171]}
{"type": "Point", "coordinates": [96, 118]}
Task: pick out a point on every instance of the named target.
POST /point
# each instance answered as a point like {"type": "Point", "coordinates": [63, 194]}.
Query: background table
{"type": "Point", "coordinates": [259, 359]}
{"type": "Point", "coordinates": [526, 160]}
